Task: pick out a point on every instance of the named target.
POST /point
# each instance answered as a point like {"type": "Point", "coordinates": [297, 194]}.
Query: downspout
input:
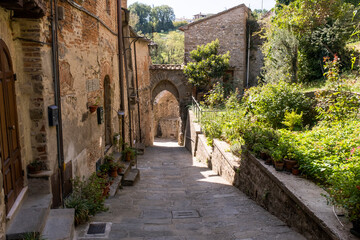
{"type": "Point", "coordinates": [127, 89]}
{"type": "Point", "coordinates": [55, 63]}
{"type": "Point", "coordinates": [121, 79]}
{"type": "Point", "coordinates": [137, 90]}
{"type": "Point", "coordinates": [248, 60]}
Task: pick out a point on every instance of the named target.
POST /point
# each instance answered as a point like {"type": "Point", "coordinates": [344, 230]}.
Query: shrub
{"type": "Point", "coordinates": [87, 198]}
{"type": "Point", "coordinates": [268, 103]}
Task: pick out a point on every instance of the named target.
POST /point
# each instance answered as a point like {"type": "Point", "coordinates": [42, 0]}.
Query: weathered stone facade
{"type": "Point", "coordinates": [88, 75]}
{"type": "Point", "coordinates": [230, 27]}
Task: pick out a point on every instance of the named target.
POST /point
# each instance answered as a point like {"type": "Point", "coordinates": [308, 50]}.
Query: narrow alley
{"type": "Point", "coordinates": [177, 198]}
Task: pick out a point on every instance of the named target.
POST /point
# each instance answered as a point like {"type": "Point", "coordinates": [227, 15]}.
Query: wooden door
{"type": "Point", "coordinates": [9, 134]}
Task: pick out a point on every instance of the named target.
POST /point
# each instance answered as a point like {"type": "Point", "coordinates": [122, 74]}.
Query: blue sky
{"type": "Point", "coordinates": [188, 8]}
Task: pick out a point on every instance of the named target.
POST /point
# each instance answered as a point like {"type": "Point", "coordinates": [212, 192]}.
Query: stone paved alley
{"type": "Point", "coordinates": [172, 181]}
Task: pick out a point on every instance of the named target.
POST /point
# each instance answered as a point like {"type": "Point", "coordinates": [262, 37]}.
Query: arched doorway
{"type": "Point", "coordinates": [107, 109]}
{"type": "Point", "coordinates": [167, 121]}
{"type": "Point", "coordinates": [10, 147]}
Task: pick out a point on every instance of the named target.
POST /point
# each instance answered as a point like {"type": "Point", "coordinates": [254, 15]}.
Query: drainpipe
{"type": "Point", "coordinates": [121, 78]}
{"type": "Point", "coordinates": [137, 90]}
{"type": "Point", "coordinates": [127, 88]}
{"type": "Point", "coordinates": [248, 60]}
{"type": "Point", "coordinates": [55, 63]}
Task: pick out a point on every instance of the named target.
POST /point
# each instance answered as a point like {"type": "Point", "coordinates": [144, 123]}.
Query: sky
{"type": "Point", "coordinates": [188, 8]}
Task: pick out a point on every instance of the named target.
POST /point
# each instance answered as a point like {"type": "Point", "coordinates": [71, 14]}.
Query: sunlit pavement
{"type": "Point", "coordinates": [178, 198]}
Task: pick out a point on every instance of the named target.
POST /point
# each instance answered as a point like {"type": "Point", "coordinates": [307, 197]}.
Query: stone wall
{"type": "Point", "coordinates": [295, 200]}
{"type": "Point", "coordinates": [230, 28]}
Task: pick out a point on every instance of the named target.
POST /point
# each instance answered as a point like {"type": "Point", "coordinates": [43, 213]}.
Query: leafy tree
{"type": "Point", "coordinates": [178, 24]}
{"type": "Point", "coordinates": [281, 62]}
{"type": "Point", "coordinates": [322, 28]}
{"type": "Point", "coordinates": [208, 64]}
{"type": "Point", "coordinates": [170, 48]}
{"type": "Point", "coordinates": [162, 18]}
{"type": "Point", "coordinates": [143, 12]}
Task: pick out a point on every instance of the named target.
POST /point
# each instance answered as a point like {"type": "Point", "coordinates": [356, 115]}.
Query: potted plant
{"type": "Point", "coordinates": [277, 156]}
{"type": "Point", "coordinates": [113, 169]}
{"type": "Point", "coordinates": [109, 158]}
{"type": "Point", "coordinates": [121, 168]}
{"type": "Point", "coordinates": [295, 170]}
{"type": "Point", "coordinates": [128, 153]}
{"type": "Point", "coordinates": [290, 161]}
{"type": "Point", "coordinates": [104, 168]}
{"type": "Point", "coordinates": [94, 106]}
{"type": "Point", "coordinates": [35, 167]}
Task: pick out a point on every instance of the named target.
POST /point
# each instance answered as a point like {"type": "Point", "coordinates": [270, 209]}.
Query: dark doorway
{"type": "Point", "coordinates": [10, 147]}
{"type": "Point", "coordinates": [107, 108]}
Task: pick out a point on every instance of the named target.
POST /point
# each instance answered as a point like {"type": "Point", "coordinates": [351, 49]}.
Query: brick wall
{"type": "Point", "coordinates": [230, 28]}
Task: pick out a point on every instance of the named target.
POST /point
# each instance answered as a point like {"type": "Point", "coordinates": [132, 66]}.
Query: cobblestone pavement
{"type": "Point", "coordinates": [177, 198]}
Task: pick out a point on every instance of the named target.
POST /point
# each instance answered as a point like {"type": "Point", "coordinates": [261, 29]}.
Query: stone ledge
{"type": "Point", "coordinates": [295, 200]}
{"type": "Point", "coordinates": [42, 174]}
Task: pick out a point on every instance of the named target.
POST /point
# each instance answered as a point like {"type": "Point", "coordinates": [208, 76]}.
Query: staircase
{"type": "Point", "coordinates": [34, 217]}
{"type": "Point", "coordinates": [127, 178]}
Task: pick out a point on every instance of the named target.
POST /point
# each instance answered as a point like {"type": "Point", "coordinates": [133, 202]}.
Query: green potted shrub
{"type": "Point", "coordinates": [277, 156]}
{"type": "Point", "coordinates": [128, 153]}
{"type": "Point", "coordinates": [113, 169]}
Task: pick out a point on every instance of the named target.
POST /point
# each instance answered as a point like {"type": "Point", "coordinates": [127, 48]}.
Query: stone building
{"type": "Point", "coordinates": [230, 27]}
{"type": "Point", "coordinates": [58, 58]}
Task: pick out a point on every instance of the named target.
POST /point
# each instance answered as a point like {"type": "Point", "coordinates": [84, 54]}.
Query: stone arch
{"type": "Point", "coordinates": [162, 86]}
{"type": "Point", "coordinates": [172, 79]}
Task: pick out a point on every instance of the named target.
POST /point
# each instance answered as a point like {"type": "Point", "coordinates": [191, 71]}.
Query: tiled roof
{"type": "Point", "coordinates": [167, 67]}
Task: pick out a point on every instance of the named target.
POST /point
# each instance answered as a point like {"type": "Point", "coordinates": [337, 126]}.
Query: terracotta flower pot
{"type": "Point", "coordinates": [113, 173]}
{"type": "Point", "coordinates": [268, 161]}
{"type": "Point", "coordinates": [119, 171]}
{"type": "Point", "coordinates": [34, 169]}
{"type": "Point", "coordinates": [128, 156]}
{"type": "Point", "coordinates": [106, 190]}
{"type": "Point", "coordinates": [295, 171]}
{"type": "Point", "coordinates": [289, 164]}
{"type": "Point", "coordinates": [279, 166]}
{"type": "Point", "coordinates": [93, 108]}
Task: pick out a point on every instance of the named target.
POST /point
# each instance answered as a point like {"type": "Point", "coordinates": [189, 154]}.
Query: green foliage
{"type": "Point", "coordinates": [178, 24]}
{"type": "Point", "coordinates": [321, 27]}
{"type": "Point", "coordinates": [281, 62]}
{"type": "Point", "coordinates": [141, 12]}
{"type": "Point", "coordinates": [345, 185]}
{"type": "Point", "coordinates": [32, 236]}
{"type": "Point", "coordinates": [162, 18]}
{"type": "Point", "coordinates": [207, 65]}
{"type": "Point", "coordinates": [215, 97]}
{"type": "Point", "coordinates": [293, 120]}
{"type": "Point", "coordinates": [336, 104]}
{"type": "Point", "coordinates": [268, 103]}
{"type": "Point", "coordinates": [170, 48]}
{"type": "Point", "coordinates": [87, 198]}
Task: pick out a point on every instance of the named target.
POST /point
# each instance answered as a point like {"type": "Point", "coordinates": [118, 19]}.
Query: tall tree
{"type": "Point", "coordinates": [162, 18]}
{"type": "Point", "coordinates": [208, 64]}
{"type": "Point", "coordinates": [143, 12]}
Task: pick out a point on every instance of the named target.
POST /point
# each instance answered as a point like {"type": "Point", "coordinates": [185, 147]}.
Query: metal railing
{"type": "Point", "coordinates": [200, 112]}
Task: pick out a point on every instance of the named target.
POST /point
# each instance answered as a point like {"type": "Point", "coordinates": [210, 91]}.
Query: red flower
{"type": "Point", "coordinates": [358, 187]}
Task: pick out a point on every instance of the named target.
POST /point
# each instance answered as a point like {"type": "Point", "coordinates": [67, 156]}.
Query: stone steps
{"type": "Point", "coordinates": [131, 178]}
{"type": "Point", "coordinates": [31, 217]}
{"type": "Point", "coordinates": [60, 225]}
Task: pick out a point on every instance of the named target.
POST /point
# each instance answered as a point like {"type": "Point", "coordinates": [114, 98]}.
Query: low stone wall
{"type": "Point", "coordinates": [295, 200]}
{"type": "Point", "coordinates": [203, 151]}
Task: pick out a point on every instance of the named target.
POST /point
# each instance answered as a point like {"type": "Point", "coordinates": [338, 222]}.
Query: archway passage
{"type": "Point", "coordinates": [171, 78]}
{"type": "Point", "coordinates": [9, 143]}
{"type": "Point", "coordinates": [167, 121]}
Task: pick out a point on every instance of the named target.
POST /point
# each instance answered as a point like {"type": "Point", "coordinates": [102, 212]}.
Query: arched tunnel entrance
{"type": "Point", "coordinates": [170, 96]}
{"type": "Point", "coordinates": [167, 122]}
